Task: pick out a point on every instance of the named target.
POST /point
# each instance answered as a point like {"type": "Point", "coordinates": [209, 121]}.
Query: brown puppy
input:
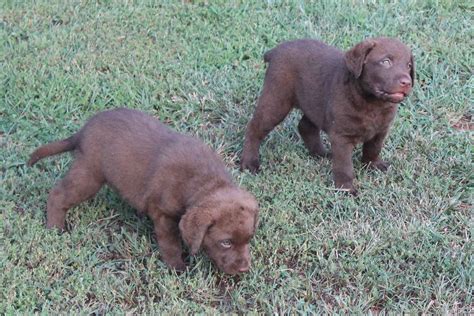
{"type": "Point", "coordinates": [176, 180]}
{"type": "Point", "coordinates": [351, 96]}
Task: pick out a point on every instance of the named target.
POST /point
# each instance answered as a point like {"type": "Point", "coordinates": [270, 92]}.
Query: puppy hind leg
{"type": "Point", "coordinates": [271, 110]}
{"type": "Point", "coordinates": [311, 137]}
{"type": "Point", "coordinates": [78, 185]}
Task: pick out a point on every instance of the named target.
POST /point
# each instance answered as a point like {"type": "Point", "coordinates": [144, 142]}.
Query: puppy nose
{"type": "Point", "coordinates": [405, 81]}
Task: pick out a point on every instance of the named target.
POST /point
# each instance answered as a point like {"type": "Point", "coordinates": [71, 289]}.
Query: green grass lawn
{"type": "Point", "coordinates": [403, 245]}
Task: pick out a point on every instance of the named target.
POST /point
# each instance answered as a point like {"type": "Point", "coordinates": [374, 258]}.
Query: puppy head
{"type": "Point", "coordinates": [384, 68]}
{"type": "Point", "coordinates": [223, 226]}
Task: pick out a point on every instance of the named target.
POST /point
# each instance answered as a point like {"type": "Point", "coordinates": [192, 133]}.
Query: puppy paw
{"type": "Point", "coordinates": [180, 267]}
{"type": "Point", "coordinates": [58, 227]}
{"type": "Point", "coordinates": [379, 165]}
{"type": "Point", "coordinates": [252, 165]}
{"type": "Point", "coordinates": [176, 264]}
{"type": "Point", "coordinates": [347, 187]}
{"type": "Point", "coordinates": [320, 154]}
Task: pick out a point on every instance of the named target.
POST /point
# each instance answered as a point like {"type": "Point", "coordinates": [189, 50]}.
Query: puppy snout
{"type": "Point", "coordinates": [242, 265]}
{"type": "Point", "coordinates": [405, 81]}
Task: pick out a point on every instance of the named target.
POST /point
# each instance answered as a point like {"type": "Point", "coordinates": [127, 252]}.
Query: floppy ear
{"type": "Point", "coordinates": [355, 57]}
{"type": "Point", "coordinates": [248, 201]}
{"type": "Point", "coordinates": [412, 71]}
{"type": "Point", "coordinates": [193, 226]}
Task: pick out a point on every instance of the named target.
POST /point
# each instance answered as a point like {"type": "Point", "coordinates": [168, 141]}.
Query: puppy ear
{"type": "Point", "coordinates": [193, 226]}
{"type": "Point", "coordinates": [247, 201]}
{"type": "Point", "coordinates": [355, 57]}
{"type": "Point", "coordinates": [412, 71]}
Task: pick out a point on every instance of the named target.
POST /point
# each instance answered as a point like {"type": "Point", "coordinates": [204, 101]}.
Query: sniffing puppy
{"type": "Point", "coordinates": [179, 182]}
{"type": "Point", "coordinates": [352, 96]}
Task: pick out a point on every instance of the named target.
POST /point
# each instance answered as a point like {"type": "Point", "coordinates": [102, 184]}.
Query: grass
{"type": "Point", "coordinates": [404, 245]}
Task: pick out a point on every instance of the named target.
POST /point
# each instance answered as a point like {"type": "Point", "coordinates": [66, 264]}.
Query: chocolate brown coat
{"type": "Point", "coordinates": [352, 96]}
{"type": "Point", "coordinates": [179, 182]}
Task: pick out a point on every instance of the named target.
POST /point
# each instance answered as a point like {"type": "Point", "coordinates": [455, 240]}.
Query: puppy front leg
{"type": "Point", "coordinates": [343, 171]}
{"type": "Point", "coordinates": [371, 151]}
{"type": "Point", "coordinates": [169, 241]}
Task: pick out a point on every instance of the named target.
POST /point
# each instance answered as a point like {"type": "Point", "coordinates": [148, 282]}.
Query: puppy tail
{"type": "Point", "coordinates": [268, 56]}
{"type": "Point", "coordinates": [53, 148]}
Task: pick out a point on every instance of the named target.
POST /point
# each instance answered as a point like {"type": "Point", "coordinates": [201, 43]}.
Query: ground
{"type": "Point", "coordinates": [403, 245]}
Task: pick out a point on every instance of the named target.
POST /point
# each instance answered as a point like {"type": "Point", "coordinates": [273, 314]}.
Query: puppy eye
{"type": "Point", "coordinates": [409, 65]}
{"type": "Point", "coordinates": [386, 62]}
{"type": "Point", "coordinates": [226, 243]}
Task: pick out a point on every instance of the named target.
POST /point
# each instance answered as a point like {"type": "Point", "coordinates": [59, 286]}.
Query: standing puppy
{"type": "Point", "coordinates": [352, 96]}
{"type": "Point", "coordinates": [176, 180]}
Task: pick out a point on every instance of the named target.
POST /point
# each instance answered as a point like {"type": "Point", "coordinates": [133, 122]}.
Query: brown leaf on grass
{"type": "Point", "coordinates": [465, 123]}
{"type": "Point", "coordinates": [19, 209]}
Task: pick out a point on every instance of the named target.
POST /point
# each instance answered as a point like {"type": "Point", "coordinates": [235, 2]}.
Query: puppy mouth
{"type": "Point", "coordinates": [395, 97]}
{"type": "Point", "coordinates": [232, 271]}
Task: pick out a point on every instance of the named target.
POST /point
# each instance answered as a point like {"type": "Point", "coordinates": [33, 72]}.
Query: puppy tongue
{"type": "Point", "coordinates": [397, 95]}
